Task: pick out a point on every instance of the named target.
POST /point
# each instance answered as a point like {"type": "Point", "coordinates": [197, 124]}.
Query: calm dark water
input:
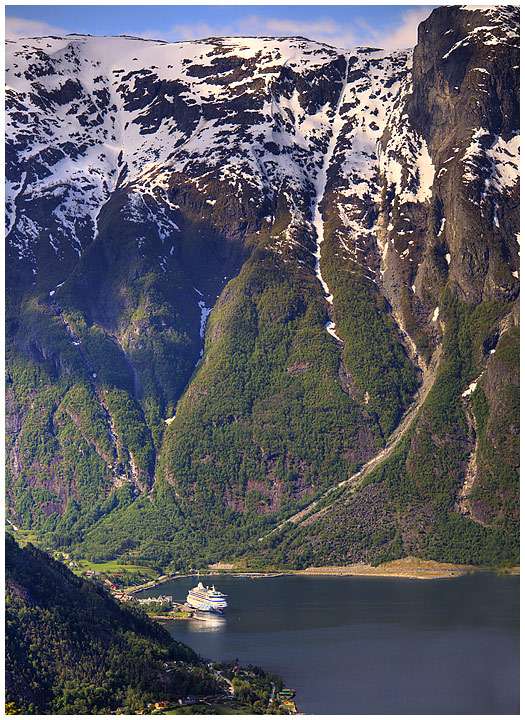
{"type": "Point", "coordinates": [353, 645]}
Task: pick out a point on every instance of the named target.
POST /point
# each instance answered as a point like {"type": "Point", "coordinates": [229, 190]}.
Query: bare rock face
{"type": "Point", "coordinates": [460, 111]}
{"type": "Point", "coordinates": [464, 103]}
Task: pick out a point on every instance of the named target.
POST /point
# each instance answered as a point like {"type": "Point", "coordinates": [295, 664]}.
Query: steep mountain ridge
{"type": "Point", "coordinates": [229, 261]}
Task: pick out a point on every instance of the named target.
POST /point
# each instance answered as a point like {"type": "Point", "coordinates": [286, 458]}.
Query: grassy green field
{"type": "Point", "coordinates": [22, 536]}
{"type": "Point", "coordinates": [112, 567]}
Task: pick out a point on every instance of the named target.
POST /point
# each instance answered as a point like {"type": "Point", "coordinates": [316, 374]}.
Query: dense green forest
{"type": "Point", "coordinates": [73, 649]}
{"type": "Point", "coordinates": [407, 505]}
{"type": "Point", "coordinates": [268, 456]}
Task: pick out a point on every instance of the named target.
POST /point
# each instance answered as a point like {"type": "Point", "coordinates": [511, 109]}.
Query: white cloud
{"type": "Point", "coordinates": [402, 36]}
{"type": "Point", "coordinates": [187, 31]}
{"type": "Point", "coordinates": [323, 29]}
{"type": "Point", "coordinates": [19, 27]}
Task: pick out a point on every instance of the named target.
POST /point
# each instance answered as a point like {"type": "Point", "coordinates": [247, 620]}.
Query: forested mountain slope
{"type": "Point", "coordinates": [71, 649]}
{"type": "Point", "coordinates": [232, 263]}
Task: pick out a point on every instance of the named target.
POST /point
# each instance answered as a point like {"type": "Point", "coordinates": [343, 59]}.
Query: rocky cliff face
{"type": "Point", "coordinates": [234, 264]}
{"type": "Point", "coordinates": [474, 137]}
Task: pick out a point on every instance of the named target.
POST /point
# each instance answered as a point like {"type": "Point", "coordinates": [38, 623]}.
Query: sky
{"type": "Point", "coordinates": [343, 25]}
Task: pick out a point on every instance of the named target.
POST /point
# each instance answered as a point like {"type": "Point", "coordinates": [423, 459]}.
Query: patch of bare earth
{"type": "Point", "coordinates": [409, 567]}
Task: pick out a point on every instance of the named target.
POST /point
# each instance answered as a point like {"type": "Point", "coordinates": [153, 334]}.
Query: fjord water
{"type": "Point", "coordinates": [356, 645]}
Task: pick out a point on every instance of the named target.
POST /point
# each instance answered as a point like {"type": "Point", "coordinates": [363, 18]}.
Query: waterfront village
{"type": "Point", "coordinates": [163, 608]}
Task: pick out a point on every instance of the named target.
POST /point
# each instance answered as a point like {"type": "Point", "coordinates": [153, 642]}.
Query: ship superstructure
{"type": "Point", "coordinates": [207, 599]}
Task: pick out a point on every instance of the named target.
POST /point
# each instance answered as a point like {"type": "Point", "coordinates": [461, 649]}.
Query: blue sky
{"type": "Point", "coordinates": [344, 25]}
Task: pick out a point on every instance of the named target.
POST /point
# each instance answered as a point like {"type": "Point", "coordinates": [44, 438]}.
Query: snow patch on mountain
{"type": "Point", "coordinates": [405, 163]}
{"type": "Point", "coordinates": [504, 156]}
{"type": "Point", "coordinates": [495, 158]}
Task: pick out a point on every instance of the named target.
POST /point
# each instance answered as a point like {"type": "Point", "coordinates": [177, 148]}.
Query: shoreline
{"type": "Point", "coordinates": [409, 567]}
{"type": "Point", "coordinates": [165, 618]}
{"type": "Point", "coordinates": [204, 573]}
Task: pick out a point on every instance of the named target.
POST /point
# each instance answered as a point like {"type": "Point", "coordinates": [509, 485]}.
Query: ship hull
{"type": "Point", "coordinates": [205, 607]}
{"type": "Point", "coordinates": [206, 600]}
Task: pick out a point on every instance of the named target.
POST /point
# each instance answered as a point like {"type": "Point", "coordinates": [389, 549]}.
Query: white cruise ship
{"type": "Point", "coordinates": [205, 598]}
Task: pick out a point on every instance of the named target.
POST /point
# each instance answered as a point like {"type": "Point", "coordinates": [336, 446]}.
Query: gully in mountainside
{"type": "Point", "coordinates": [320, 187]}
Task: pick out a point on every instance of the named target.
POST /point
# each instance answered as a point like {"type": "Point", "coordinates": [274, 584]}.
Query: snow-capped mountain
{"type": "Point", "coordinates": [152, 187]}
{"type": "Point", "coordinates": [233, 117]}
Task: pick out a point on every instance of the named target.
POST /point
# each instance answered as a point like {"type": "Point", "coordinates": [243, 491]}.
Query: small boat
{"type": "Point", "coordinates": [207, 599]}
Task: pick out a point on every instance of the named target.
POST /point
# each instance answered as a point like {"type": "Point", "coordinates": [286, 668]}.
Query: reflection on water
{"type": "Point", "coordinates": [206, 622]}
